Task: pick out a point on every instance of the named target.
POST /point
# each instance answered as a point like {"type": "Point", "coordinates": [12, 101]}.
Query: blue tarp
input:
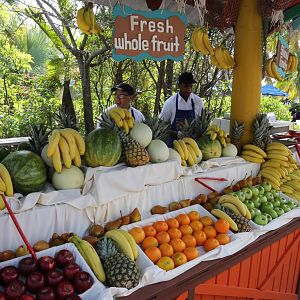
{"type": "Point", "coordinates": [271, 90]}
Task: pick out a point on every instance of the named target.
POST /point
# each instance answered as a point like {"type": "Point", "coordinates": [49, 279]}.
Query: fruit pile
{"type": "Point", "coordinates": [47, 278]}
{"type": "Point", "coordinates": [254, 154]}
{"type": "Point", "coordinates": [215, 132]}
{"type": "Point", "coordinates": [87, 22]}
{"type": "Point", "coordinates": [188, 150]}
{"type": "Point", "coordinates": [173, 242]}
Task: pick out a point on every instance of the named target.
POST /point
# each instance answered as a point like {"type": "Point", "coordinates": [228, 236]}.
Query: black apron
{"type": "Point", "coordinates": [180, 117]}
{"type": "Point", "coordinates": [132, 113]}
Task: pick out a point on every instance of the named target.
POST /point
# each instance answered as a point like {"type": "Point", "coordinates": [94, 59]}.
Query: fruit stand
{"type": "Point", "coordinates": [216, 216]}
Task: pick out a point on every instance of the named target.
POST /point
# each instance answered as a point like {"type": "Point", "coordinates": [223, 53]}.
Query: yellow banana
{"type": "Point", "coordinates": [116, 117]}
{"type": "Point", "coordinates": [282, 163]}
{"type": "Point", "coordinates": [198, 41]}
{"type": "Point", "coordinates": [77, 158]}
{"type": "Point", "coordinates": [121, 242]}
{"type": "Point", "coordinates": [81, 23]}
{"type": "Point", "coordinates": [269, 68]}
{"type": "Point", "coordinates": [193, 144]}
{"type": "Point", "coordinates": [222, 215]}
{"type": "Point", "coordinates": [273, 184]}
{"type": "Point", "coordinates": [4, 174]}
{"type": "Point", "coordinates": [268, 172]}
{"type": "Point", "coordinates": [190, 160]}
{"type": "Point", "coordinates": [125, 126]}
{"type": "Point", "coordinates": [215, 62]}
{"type": "Point", "coordinates": [78, 139]}
{"type": "Point", "coordinates": [287, 189]}
{"type": "Point", "coordinates": [56, 159]}
{"type": "Point", "coordinates": [2, 185]}
{"type": "Point", "coordinates": [2, 204]}
{"type": "Point", "coordinates": [275, 71]}
{"type": "Point", "coordinates": [178, 148]}
{"type": "Point", "coordinates": [65, 152]}
{"type": "Point", "coordinates": [228, 58]}
{"type": "Point", "coordinates": [53, 142]}
{"type": "Point", "coordinates": [220, 58]}
{"type": "Point", "coordinates": [89, 19]}
{"type": "Point", "coordinates": [192, 154]}
{"type": "Point", "coordinates": [127, 113]}
{"type": "Point", "coordinates": [253, 159]}
{"type": "Point", "coordinates": [270, 164]}
{"type": "Point", "coordinates": [278, 172]}
{"type": "Point", "coordinates": [279, 146]}
{"type": "Point", "coordinates": [272, 178]}
{"type": "Point", "coordinates": [71, 141]}
{"type": "Point", "coordinates": [206, 42]}
{"type": "Point", "coordinates": [130, 122]}
{"type": "Point", "coordinates": [131, 241]}
{"type": "Point", "coordinates": [255, 149]}
{"type": "Point", "coordinates": [278, 157]}
{"type": "Point", "coordinates": [248, 214]}
{"type": "Point", "coordinates": [120, 111]}
{"type": "Point", "coordinates": [277, 152]}
{"type": "Point", "coordinates": [252, 153]}
{"type": "Point", "coordinates": [213, 136]}
{"type": "Point", "coordinates": [183, 162]}
{"type": "Point", "coordinates": [235, 201]}
{"type": "Point", "coordinates": [289, 63]}
{"type": "Point", "coordinates": [184, 148]}
{"type": "Point", "coordinates": [232, 207]}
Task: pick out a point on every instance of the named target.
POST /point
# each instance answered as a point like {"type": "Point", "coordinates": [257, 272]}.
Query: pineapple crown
{"type": "Point", "coordinates": [66, 120]}
{"type": "Point", "coordinates": [38, 138]}
{"type": "Point", "coordinates": [160, 129]}
{"type": "Point", "coordinates": [237, 130]}
{"type": "Point", "coordinates": [106, 247]}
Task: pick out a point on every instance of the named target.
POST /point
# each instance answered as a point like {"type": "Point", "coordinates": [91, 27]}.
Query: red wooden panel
{"type": "Point", "coordinates": [222, 279]}
{"type": "Point", "coordinates": [272, 264]}
{"type": "Point", "coordinates": [296, 274]}
{"type": "Point", "coordinates": [234, 273]}
{"type": "Point", "coordinates": [292, 269]}
{"type": "Point", "coordinates": [264, 262]}
{"type": "Point", "coordinates": [245, 272]}
{"type": "Point", "coordinates": [183, 296]}
{"type": "Point", "coordinates": [278, 276]}
{"type": "Point", "coordinates": [255, 260]}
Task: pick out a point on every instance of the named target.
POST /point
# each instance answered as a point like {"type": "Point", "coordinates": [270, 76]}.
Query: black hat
{"type": "Point", "coordinates": [124, 87]}
{"type": "Point", "coordinates": [186, 77]}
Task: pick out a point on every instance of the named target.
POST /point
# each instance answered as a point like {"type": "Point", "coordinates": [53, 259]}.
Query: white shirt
{"type": "Point", "coordinates": [138, 116]}
{"type": "Point", "coordinates": [169, 109]}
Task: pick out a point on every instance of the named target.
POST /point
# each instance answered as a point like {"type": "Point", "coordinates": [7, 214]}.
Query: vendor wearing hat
{"type": "Point", "coordinates": [184, 105]}
{"type": "Point", "coordinates": [124, 94]}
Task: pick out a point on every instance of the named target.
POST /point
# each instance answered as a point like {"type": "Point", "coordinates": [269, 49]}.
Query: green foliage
{"type": "Point", "coordinates": [272, 104]}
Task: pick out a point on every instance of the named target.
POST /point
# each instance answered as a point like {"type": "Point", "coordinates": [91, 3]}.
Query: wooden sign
{"type": "Point", "coordinates": [282, 55]}
{"type": "Point", "coordinates": [156, 35]}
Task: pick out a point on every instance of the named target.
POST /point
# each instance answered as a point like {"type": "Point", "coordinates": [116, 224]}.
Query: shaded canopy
{"type": "Point", "coordinates": [271, 90]}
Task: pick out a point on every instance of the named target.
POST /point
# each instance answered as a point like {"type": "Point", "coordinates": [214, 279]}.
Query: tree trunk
{"type": "Point", "coordinates": [169, 77]}
{"type": "Point", "coordinates": [119, 75]}
{"type": "Point", "coordinates": [67, 102]}
{"type": "Point", "coordinates": [160, 82]}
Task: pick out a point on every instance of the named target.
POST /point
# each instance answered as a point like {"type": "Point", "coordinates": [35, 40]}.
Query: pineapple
{"type": "Point", "coordinates": [66, 120]}
{"type": "Point", "coordinates": [241, 222]}
{"type": "Point", "coordinates": [197, 127]}
{"type": "Point", "coordinates": [160, 129]}
{"type": "Point", "coordinates": [260, 130]}
{"type": "Point", "coordinates": [38, 138]}
{"type": "Point", "coordinates": [132, 152]}
{"type": "Point", "coordinates": [236, 133]}
{"type": "Point", "coordinates": [119, 269]}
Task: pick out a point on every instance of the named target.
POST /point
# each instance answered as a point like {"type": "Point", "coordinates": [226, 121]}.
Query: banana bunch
{"type": "Point", "coordinates": [281, 170]}
{"type": "Point", "coordinates": [188, 151]}
{"type": "Point", "coordinates": [87, 22]}
{"type": "Point", "coordinates": [253, 154]}
{"type": "Point", "coordinates": [271, 69]}
{"type": "Point", "coordinates": [292, 63]}
{"type": "Point", "coordinates": [65, 147]}
{"type": "Point", "coordinates": [122, 118]}
{"type": "Point", "coordinates": [6, 186]}
{"type": "Point", "coordinates": [222, 58]}
{"type": "Point", "coordinates": [235, 205]}
{"type": "Point", "coordinates": [90, 255]}
{"type": "Point", "coordinates": [125, 242]}
{"type": "Point", "coordinates": [215, 132]}
{"type": "Point", "coordinates": [222, 215]}
{"type": "Point", "coordinates": [200, 41]}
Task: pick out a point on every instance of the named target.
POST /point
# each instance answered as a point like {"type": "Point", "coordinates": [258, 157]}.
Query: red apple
{"type": "Point", "coordinates": [70, 270]}
{"type": "Point", "coordinates": [64, 289]}
{"type": "Point", "coordinates": [27, 297]}
{"type": "Point", "coordinates": [27, 265]}
{"type": "Point", "coordinates": [8, 274]}
{"type": "Point", "coordinates": [54, 277]}
{"type": "Point", "coordinates": [46, 264]}
{"type": "Point", "coordinates": [46, 293]}
{"type": "Point", "coordinates": [64, 257]}
{"type": "Point", "coordinates": [14, 290]}
{"type": "Point", "coordinates": [82, 281]}
{"type": "Point", "coordinates": [35, 281]}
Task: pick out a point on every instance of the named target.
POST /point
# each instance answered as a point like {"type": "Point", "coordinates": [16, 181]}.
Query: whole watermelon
{"type": "Point", "coordinates": [27, 171]}
{"type": "Point", "coordinates": [103, 148]}
{"type": "Point", "coordinates": [3, 152]}
{"type": "Point", "coordinates": [209, 148]}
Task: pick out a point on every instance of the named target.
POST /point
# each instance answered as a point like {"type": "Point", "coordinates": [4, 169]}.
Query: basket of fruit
{"type": "Point", "coordinates": [59, 273]}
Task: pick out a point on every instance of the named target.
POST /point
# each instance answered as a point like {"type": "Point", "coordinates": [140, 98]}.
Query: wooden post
{"type": "Point", "coordinates": [247, 74]}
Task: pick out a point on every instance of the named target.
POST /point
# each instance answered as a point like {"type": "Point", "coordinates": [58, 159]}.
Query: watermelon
{"type": "Point", "coordinates": [3, 152]}
{"type": "Point", "coordinates": [27, 171]}
{"type": "Point", "coordinates": [209, 148]}
{"type": "Point", "coordinates": [103, 148]}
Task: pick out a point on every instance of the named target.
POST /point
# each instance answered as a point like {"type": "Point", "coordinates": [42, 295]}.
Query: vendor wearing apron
{"type": "Point", "coordinates": [182, 106]}
{"type": "Point", "coordinates": [124, 94]}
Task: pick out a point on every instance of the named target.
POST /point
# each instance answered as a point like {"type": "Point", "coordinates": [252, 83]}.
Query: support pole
{"type": "Point", "coordinates": [247, 74]}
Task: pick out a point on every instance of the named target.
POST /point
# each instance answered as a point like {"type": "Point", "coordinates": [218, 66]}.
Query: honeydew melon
{"type": "Point", "coordinates": [229, 151]}
{"type": "Point", "coordinates": [71, 178]}
{"type": "Point", "coordinates": [158, 151]}
{"type": "Point", "coordinates": [47, 160]}
{"type": "Point", "coordinates": [141, 133]}
{"type": "Point", "coordinates": [174, 155]}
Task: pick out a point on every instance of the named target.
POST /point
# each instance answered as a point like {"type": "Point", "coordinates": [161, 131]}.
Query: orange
{"type": "Point", "coordinates": [178, 245]}
{"type": "Point", "coordinates": [179, 259]}
{"type": "Point", "coordinates": [194, 215]}
{"type": "Point", "coordinates": [210, 231]}
{"type": "Point", "coordinates": [163, 237]}
{"type": "Point", "coordinates": [206, 221]}
{"type": "Point", "coordinates": [223, 238]}
{"type": "Point", "coordinates": [186, 229]}
{"type": "Point", "coordinates": [149, 230]}
{"type": "Point", "coordinates": [183, 219]}
{"type": "Point", "coordinates": [172, 223]}
{"type": "Point", "coordinates": [211, 244]}
{"type": "Point", "coordinates": [189, 240]}
{"type": "Point", "coordinates": [161, 226]}
{"type": "Point", "coordinates": [200, 237]}
{"type": "Point", "coordinates": [153, 254]}
{"type": "Point", "coordinates": [196, 225]}
{"type": "Point", "coordinates": [166, 263]}
{"type": "Point", "coordinates": [174, 233]}
{"type": "Point", "coordinates": [166, 250]}
{"type": "Point", "coordinates": [138, 234]}
{"type": "Point", "coordinates": [191, 253]}
{"type": "Point", "coordinates": [222, 226]}
{"type": "Point", "coordinates": [149, 241]}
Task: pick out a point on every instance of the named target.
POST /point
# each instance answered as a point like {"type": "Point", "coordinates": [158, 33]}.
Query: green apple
{"type": "Point", "coordinates": [254, 190]}
{"type": "Point", "coordinates": [268, 217]}
{"type": "Point", "coordinates": [257, 211]}
{"type": "Point", "coordinates": [265, 206]}
{"type": "Point", "coordinates": [282, 200]}
{"type": "Point", "coordinates": [247, 192]}
{"type": "Point", "coordinates": [261, 190]}
{"type": "Point", "coordinates": [269, 196]}
{"type": "Point", "coordinates": [272, 213]}
{"type": "Point", "coordinates": [276, 202]}
{"type": "Point", "coordinates": [267, 186]}
{"type": "Point", "coordinates": [279, 211]}
{"type": "Point", "coordinates": [240, 195]}
{"type": "Point", "coordinates": [285, 207]}
{"type": "Point", "coordinates": [261, 220]}
{"type": "Point", "coordinates": [256, 200]}
{"type": "Point", "coordinates": [275, 193]}
{"type": "Point", "coordinates": [252, 212]}
{"type": "Point", "coordinates": [291, 204]}
{"type": "Point", "coordinates": [263, 199]}
{"type": "Point", "coordinates": [249, 204]}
